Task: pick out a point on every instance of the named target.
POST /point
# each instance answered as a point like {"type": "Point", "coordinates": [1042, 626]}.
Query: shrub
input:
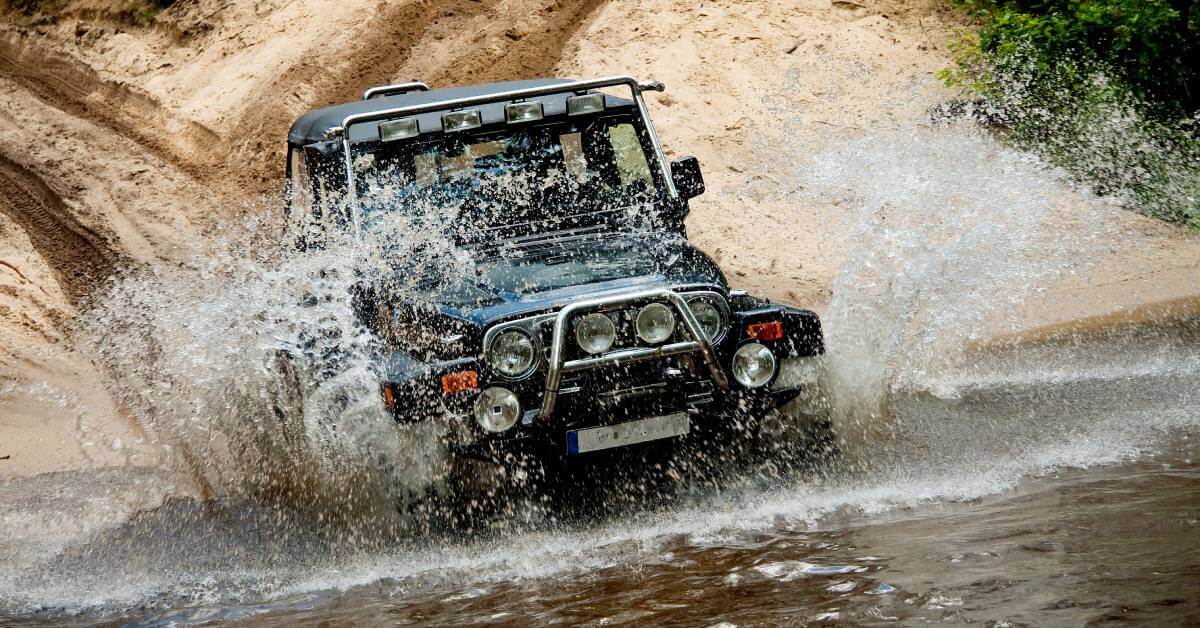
{"type": "Point", "coordinates": [1107, 89]}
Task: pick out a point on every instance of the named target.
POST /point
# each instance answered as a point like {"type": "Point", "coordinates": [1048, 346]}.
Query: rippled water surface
{"type": "Point", "coordinates": [1051, 484]}
{"type": "Point", "coordinates": [1089, 510]}
{"type": "Point", "coordinates": [1069, 548]}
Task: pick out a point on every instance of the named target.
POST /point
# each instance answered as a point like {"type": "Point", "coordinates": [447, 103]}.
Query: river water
{"type": "Point", "coordinates": [1048, 484]}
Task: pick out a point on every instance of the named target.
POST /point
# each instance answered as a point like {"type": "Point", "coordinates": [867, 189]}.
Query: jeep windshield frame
{"type": "Point", "coordinates": [655, 156]}
{"type": "Point", "coordinates": [537, 177]}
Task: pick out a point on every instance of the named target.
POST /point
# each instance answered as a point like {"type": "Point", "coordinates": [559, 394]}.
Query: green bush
{"type": "Point", "coordinates": [1107, 89]}
{"type": "Point", "coordinates": [1150, 45]}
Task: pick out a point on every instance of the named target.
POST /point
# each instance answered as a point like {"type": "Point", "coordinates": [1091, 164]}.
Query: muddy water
{"type": "Point", "coordinates": [1077, 499]}
{"type": "Point", "coordinates": [1118, 544]}
{"type": "Point", "coordinates": [1051, 484]}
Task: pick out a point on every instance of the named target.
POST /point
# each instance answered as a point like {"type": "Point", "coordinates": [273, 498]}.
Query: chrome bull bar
{"type": "Point", "coordinates": [558, 366]}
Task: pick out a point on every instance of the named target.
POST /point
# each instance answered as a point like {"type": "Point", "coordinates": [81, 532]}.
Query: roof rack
{"type": "Point", "coordinates": [396, 88]}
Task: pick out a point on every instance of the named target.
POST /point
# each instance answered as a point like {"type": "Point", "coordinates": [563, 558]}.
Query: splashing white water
{"type": "Point", "coordinates": [246, 359]}
{"type": "Point", "coordinates": [954, 232]}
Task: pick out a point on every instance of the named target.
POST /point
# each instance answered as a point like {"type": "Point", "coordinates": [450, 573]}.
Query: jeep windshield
{"type": "Point", "coordinates": [549, 176]}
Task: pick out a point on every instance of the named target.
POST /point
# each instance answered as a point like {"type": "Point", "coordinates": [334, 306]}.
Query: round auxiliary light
{"type": "Point", "coordinates": [753, 365]}
{"type": "Point", "coordinates": [709, 317]}
{"type": "Point", "coordinates": [511, 353]}
{"type": "Point", "coordinates": [595, 333]}
{"type": "Point", "coordinates": [654, 323]}
{"type": "Point", "coordinates": [497, 409]}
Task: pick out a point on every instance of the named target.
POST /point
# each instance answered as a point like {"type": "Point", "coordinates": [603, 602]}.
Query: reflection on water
{"type": "Point", "coordinates": [1066, 549]}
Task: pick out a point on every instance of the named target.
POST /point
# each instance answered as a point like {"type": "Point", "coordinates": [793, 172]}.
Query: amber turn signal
{"type": "Point", "coordinates": [765, 331]}
{"type": "Point", "coordinates": [389, 397]}
{"type": "Point", "coordinates": [460, 381]}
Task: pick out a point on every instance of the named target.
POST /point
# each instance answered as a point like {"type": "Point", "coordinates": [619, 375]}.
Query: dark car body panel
{"type": "Point", "coordinates": [509, 280]}
{"type": "Point", "coordinates": [618, 393]}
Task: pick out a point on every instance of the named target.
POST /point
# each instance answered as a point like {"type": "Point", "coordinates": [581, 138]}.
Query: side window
{"type": "Point", "coordinates": [631, 160]}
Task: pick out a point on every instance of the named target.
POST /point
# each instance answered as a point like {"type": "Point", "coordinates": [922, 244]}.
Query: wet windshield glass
{"type": "Point", "coordinates": [549, 173]}
{"type": "Point", "coordinates": [501, 272]}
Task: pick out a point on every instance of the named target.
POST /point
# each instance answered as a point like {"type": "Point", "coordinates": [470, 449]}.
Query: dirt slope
{"type": "Point", "coordinates": [752, 89]}
{"type": "Point", "coordinates": [124, 131]}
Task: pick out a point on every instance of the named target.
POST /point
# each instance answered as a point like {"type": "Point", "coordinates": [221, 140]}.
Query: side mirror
{"type": "Point", "coordinates": [685, 171]}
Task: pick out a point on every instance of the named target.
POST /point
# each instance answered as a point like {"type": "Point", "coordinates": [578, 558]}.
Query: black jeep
{"type": "Point", "coordinates": [582, 319]}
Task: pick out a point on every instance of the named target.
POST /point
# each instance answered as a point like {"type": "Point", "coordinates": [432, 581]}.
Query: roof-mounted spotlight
{"type": "Point", "coordinates": [461, 120]}
{"type": "Point", "coordinates": [523, 111]}
{"type": "Point", "coordinates": [587, 103]}
{"type": "Point", "coordinates": [404, 128]}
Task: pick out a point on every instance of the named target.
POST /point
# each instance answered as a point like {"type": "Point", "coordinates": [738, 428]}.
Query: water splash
{"type": "Point", "coordinates": [951, 228]}
{"type": "Point", "coordinates": [244, 357]}
{"type": "Point", "coordinates": [954, 232]}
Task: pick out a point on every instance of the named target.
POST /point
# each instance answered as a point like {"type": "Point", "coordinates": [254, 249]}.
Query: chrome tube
{"type": "Point", "coordinates": [626, 356]}
{"type": "Point", "coordinates": [351, 189]}
{"type": "Point", "coordinates": [395, 88]}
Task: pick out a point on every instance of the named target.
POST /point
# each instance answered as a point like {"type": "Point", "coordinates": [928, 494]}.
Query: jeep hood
{"type": "Point", "coordinates": [503, 280]}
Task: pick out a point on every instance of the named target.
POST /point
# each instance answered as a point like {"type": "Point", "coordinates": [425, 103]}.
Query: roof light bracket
{"type": "Point", "coordinates": [396, 88]}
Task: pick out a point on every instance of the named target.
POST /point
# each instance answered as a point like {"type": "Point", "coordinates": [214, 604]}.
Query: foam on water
{"type": "Point", "coordinates": [951, 230]}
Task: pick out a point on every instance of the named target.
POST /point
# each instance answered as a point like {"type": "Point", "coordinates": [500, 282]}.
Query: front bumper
{"type": "Point", "coordinates": [571, 391]}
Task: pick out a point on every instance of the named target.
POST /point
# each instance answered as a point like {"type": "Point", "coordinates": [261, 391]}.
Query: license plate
{"type": "Point", "coordinates": [630, 433]}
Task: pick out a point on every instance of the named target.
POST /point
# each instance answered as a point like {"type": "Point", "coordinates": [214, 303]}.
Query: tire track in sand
{"type": "Point", "coordinates": [78, 256]}
{"type": "Point", "coordinates": [75, 88]}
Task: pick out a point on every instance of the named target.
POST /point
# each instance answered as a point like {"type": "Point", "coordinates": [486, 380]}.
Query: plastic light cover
{"type": "Point", "coordinates": [404, 128]}
{"type": "Point", "coordinates": [460, 381]}
{"type": "Point", "coordinates": [523, 112]}
{"type": "Point", "coordinates": [753, 365]}
{"type": "Point", "coordinates": [595, 333]}
{"type": "Point", "coordinates": [655, 323]}
{"type": "Point", "coordinates": [511, 353]}
{"type": "Point", "coordinates": [461, 120]}
{"type": "Point", "coordinates": [497, 409]}
{"type": "Point", "coordinates": [768, 331]}
{"type": "Point", "coordinates": [709, 317]}
{"type": "Point", "coordinates": [588, 103]}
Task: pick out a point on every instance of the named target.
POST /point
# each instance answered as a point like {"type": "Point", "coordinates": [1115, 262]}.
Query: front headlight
{"type": "Point", "coordinates": [595, 333]}
{"type": "Point", "coordinates": [654, 323]}
{"type": "Point", "coordinates": [497, 409]}
{"type": "Point", "coordinates": [511, 353]}
{"type": "Point", "coordinates": [712, 322]}
{"type": "Point", "coordinates": [753, 365]}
